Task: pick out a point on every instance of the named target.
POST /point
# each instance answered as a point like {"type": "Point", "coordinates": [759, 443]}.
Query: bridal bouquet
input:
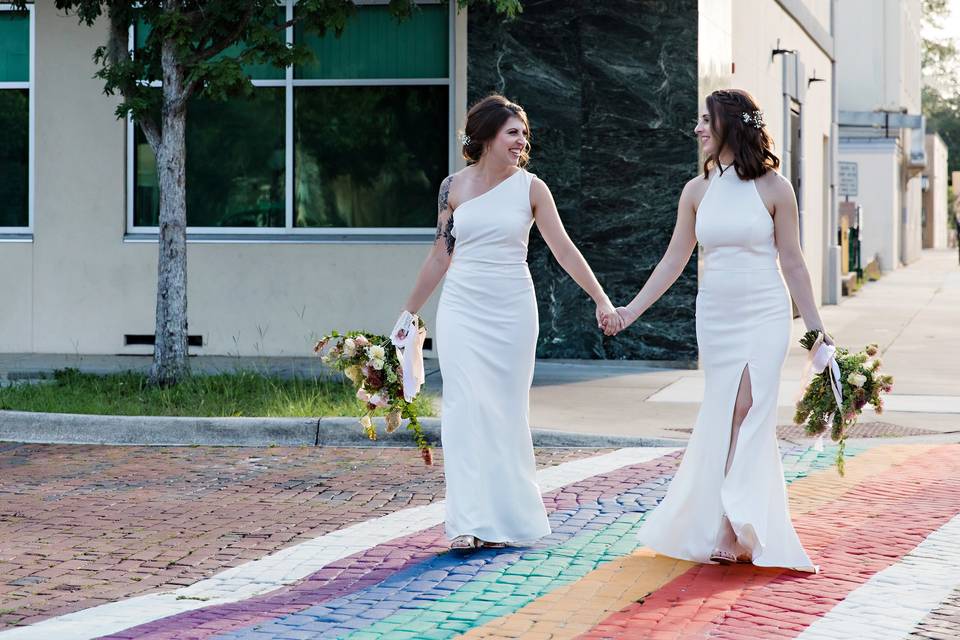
{"type": "Point", "coordinates": [373, 363]}
{"type": "Point", "coordinates": [842, 385]}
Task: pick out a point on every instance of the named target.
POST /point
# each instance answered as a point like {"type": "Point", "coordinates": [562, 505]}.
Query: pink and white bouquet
{"type": "Point", "coordinates": [373, 363]}
{"type": "Point", "coordinates": [842, 385]}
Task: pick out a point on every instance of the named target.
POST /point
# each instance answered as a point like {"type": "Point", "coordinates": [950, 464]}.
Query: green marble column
{"type": "Point", "coordinates": [611, 91]}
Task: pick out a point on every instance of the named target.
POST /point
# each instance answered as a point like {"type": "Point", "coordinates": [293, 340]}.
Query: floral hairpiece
{"type": "Point", "coordinates": [755, 118]}
{"type": "Point", "coordinates": [464, 139]}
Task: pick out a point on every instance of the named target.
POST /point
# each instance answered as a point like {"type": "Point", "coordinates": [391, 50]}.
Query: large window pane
{"type": "Point", "coordinates": [14, 157]}
{"type": "Point", "coordinates": [369, 156]}
{"type": "Point", "coordinates": [14, 46]}
{"type": "Point", "coordinates": [235, 164]}
{"type": "Point", "coordinates": [375, 45]}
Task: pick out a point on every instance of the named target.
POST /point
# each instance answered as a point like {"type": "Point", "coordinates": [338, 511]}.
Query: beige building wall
{"type": "Point", "coordinates": [879, 168]}
{"type": "Point", "coordinates": [935, 205]}
{"type": "Point", "coordinates": [878, 54]}
{"type": "Point", "coordinates": [81, 286]}
{"type": "Point", "coordinates": [757, 26]}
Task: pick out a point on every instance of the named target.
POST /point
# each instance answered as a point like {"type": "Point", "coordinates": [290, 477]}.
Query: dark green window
{"type": "Point", "coordinates": [15, 119]}
{"type": "Point", "coordinates": [369, 156]}
{"type": "Point", "coordinates": [235, 164]}
{"type": "Point", "coordinates": [255, 71]}
{"type": "Point", "coordinates": [14, 46]}
{"type": "Point", "coordinates": [375, 45]}
{"type": "Point", "coordinates": [367, 145]}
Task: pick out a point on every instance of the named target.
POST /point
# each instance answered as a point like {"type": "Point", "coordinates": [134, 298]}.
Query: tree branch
{"type": "Point", "coordinates": [224, 43]}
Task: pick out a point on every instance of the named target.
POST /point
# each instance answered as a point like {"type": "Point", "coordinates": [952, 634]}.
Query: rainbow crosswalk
{"type": "Point", "coordinates": [887, 538]}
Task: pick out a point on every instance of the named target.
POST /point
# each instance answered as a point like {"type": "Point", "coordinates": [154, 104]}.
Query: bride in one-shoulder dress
{"type": "Point", "coordinates": [487, 327]}
{"type": "Point", "coordinates": [727, 501]}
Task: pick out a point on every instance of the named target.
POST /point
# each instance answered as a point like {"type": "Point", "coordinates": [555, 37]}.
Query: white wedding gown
{"type": "Point", "coordinates": [487, 329]}
{"type": "Point", "coordinates": [743, 322]}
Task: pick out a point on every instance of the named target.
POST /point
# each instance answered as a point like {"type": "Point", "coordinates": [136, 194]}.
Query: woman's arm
{"type": "Point", "coordinates": [567, 255]}
{"type": "Point", "coordinates": [672, 263]}
{"type": "Point", "coordinates": [437, 262]}
{"type": "Point", "coordinates": [786, 230]}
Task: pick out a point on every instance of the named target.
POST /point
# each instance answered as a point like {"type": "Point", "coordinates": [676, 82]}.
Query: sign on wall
{"type": "Point", "coordinates": [848, 179]}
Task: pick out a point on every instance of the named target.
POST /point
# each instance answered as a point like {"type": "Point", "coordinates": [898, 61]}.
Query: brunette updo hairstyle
{"type": "Point", "coordinates": [484, 121]}
{"type": "Point", "coordinates": [751, 145]}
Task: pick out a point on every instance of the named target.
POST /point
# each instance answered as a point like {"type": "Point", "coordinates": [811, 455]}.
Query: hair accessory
{"type": "Point", "coordinates": [755, 118]}
{"type": "Point", "coordinates": [464, 139]}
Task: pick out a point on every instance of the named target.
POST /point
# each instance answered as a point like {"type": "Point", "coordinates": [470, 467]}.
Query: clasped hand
{"type": "Point", "coordinates": [612, 320]}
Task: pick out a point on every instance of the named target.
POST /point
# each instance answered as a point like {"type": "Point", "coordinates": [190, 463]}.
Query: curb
{"type": "Point", "coordinates": [68, 428]}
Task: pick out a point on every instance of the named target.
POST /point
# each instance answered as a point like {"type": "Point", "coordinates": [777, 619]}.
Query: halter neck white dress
{"type": "Point", "coordinates": [487, 329]}
{"type": "Point", "coordinates": [743, 322]}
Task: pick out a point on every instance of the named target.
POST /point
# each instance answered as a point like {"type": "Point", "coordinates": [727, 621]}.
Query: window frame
{"type": "Point", "coordinates": [25, 234]}
{"type": "Point", "coordinates": [290, 233]}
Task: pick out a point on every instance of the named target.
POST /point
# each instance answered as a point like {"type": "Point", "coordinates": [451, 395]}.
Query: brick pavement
{"type": "Point", "coordinates": [887, 536]}
{"type": "Point", "coordinates": [85, 525]}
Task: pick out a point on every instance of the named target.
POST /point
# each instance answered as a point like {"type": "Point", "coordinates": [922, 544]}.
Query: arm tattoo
{"type": "Point", "coordinates": [445, 231]}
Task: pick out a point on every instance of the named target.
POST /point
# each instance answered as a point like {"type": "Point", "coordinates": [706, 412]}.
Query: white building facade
{"type": "Point", "coordinates": [878, 47]}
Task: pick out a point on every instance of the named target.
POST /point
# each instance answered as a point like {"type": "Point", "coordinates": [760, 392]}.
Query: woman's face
{"type": "Point", "coordinates": [705, 133]}
{"type": "Point", "coordinates": [509, 143]}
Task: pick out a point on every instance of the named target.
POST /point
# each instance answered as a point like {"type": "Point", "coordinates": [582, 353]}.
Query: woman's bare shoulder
{"type": "Point", "coordinates": [694, 190]}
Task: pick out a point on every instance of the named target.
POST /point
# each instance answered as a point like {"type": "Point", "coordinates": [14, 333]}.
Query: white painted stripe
{"type": "Point", "coordinates": [891, 603]}
{"type": "Point", "coordinates": [294, 563]}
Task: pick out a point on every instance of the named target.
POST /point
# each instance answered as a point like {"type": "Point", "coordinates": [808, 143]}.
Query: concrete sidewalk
{"type": "Point", "coordinates": [913, 314]}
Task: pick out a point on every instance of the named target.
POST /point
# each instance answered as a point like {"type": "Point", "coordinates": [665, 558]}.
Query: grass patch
{"type": "Point", "coordinates": [234, 394]}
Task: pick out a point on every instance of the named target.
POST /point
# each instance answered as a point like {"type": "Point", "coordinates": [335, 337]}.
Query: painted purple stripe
{"type": "Point", "coordinates": [373, 566]}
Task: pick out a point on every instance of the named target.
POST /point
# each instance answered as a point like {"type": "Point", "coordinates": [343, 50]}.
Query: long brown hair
{"type": "Point", "coordinates": [483, 124]}
{"type": "Point", "coordinates": [736, 124]}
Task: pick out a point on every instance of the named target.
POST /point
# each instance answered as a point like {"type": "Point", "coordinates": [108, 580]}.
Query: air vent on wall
{"type": "Point", "coordinates": [136, 339]}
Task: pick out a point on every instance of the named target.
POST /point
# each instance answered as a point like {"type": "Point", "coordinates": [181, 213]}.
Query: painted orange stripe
{"type": "Point", "coordinates": [575, 609]}
{"type": "Point", "coordinates": [852, 538]}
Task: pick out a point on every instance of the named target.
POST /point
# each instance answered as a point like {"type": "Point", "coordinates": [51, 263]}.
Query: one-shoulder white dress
{"type": "Point", "coordinates": [487, 329]}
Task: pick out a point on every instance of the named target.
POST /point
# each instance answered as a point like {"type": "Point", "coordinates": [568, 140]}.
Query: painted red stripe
{"type": "Point", "coordinates": [863, 532]}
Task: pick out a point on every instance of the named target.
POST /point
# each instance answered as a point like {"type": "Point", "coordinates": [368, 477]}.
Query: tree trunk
{"type": "Point", "coordinates": [170, 363]}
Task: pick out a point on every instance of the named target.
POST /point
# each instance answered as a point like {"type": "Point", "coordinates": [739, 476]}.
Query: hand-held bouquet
{"type": "Point", "coordinates": [842, 385]}
{"type": "Point", "coordinates": [374, 364]}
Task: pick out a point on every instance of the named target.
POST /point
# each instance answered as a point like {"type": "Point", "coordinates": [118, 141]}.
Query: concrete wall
{"type": "Point", "coordinates": [878, 54]}
{"type": "Point", "coordinates": [878, 162]}
{"type": "Point", "coordinates": [935, 204]}
{"type": "Point", "coordinates": [756, 27]}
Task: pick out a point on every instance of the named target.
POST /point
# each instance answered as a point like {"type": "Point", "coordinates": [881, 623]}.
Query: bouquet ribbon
{"type": "Point", "coordinates": [822, 358]}
{"type": "Point", "coordinates": [408, 338]}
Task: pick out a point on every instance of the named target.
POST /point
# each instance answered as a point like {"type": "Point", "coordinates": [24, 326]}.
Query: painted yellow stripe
{"type": "Point", "coordinates": [574, 609]}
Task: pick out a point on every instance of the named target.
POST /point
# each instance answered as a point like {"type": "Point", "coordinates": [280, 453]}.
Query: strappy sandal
{"type": "Point", "coordinates": [493, 545]}
{"type": "Point", "coordinates": [465, 543]}
{"type": "Point", "coordinates": [723, 557]}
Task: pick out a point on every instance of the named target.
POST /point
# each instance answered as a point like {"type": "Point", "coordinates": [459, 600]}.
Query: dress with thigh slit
{"type": "Point", "coordinates": [743, 324]}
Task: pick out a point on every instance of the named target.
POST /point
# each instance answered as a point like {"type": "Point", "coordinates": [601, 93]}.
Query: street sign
{"type": "Point", "coordinates": [848, 178]}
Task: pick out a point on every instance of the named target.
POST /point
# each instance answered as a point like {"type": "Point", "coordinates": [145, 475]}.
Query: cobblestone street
{"type": "Point", "coordinates": [136, 542]}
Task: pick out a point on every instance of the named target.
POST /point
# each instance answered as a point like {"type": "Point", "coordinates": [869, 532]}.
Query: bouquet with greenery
{"type": "Point", "coordinates": [371, 362]}
{"type": "Point", "coordinates": [837, 394]}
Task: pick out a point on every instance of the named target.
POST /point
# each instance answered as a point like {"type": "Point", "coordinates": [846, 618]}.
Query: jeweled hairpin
{"type": "Point", "coordinates": [464, 139]}
{"type": "Point", "coordinates": [755, 119]}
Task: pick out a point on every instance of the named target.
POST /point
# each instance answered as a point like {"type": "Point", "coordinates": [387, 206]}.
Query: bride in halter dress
{"type": "Point", "coordinates": [727, 502]}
